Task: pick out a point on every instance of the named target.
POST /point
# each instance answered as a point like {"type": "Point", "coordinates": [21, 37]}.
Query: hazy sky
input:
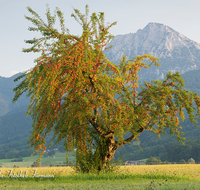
{"type": "Point", "coordinates": [181, 15]}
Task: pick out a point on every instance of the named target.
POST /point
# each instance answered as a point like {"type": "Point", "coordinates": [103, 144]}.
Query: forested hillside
{"type": "Point", "coordinates": [192, 81]}
{"type": "Point", "coordinates": [166, 146]}
{"type": "Point", "coordinates": [7, 94]}
{"type": "Point", "coordinates": [15, 127]}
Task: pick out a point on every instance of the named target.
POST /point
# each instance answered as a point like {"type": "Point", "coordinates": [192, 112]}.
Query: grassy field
{"type": "Point", "coordinates": [125, 177]}
{"type": "Point", "coordinates": [45, 161]}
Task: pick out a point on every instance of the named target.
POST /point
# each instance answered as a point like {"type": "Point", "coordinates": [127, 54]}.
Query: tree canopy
{"type": "Point", "coordinates": [89, 102]}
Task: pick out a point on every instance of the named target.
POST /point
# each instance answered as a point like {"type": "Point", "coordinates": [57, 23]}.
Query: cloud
{"type": "Point", "coordinates": [13, 72]}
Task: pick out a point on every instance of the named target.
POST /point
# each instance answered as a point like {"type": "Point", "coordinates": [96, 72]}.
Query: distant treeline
{"type": "Point", "coordinates": [166, 148]}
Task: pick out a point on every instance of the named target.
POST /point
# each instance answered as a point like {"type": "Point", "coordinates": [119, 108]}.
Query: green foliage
{"type": "Point", "coordinates": [90, 103]}
{"type": "Point", "coordinates": [87, 164]}
{"type": "Point", "coordinates": [165, 147]}
{"type": "Point", "coordinates": [182, 161]}
{"type": "Point", "coordinates": [45, 154]}
{"type": "Point", "coordinates": [153, 161]}
{"type": "Point", "coordinates": [176, 151]}
{"type": "Point", "coordinates": [192, 81]}
{"type": "Point", "coordinates": [36, 164]}
{"type": "Point", "coordinates": [15, 126]}
{"type": "Point", "coordinates": [51, 153]}
{"type": "Point", "coordinates": [191, 161]}
{"type": "Point", "coordinates": [20, 159]}
{"type": "Point", "coordinates": [71, 163]}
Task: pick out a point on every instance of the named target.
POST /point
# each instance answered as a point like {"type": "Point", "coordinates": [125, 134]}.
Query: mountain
{"type": "Point", "coordinates": [15, 129]}
{"type": "Point", "coordinates": [192, 81]}
{"type": "Point", "coordinates": [7, 94]}
{"type": "Point", "coordinates": [175, 51]}
{"type": "Point", "coordinates": [15, 126]}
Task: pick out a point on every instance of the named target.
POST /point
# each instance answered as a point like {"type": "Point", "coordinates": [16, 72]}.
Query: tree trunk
{"type": "Point", "coordinates": [106, 147]}
{"type": "Point", "coordinates": [105, 152]}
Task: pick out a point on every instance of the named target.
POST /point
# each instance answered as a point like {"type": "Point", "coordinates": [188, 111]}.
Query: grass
{"type": "Point", "coordinates": [45, 161]}
{"type": "Point", "coordinates": [144, 160]}
{"type": "Point", "coordinates": [102, 184]}
{"type": "Point", "coordinates": [186, 171]}
{"type": "Point", "coordinates": [59, 158]}
{"type": "Point", "coordinates": [186, 176]}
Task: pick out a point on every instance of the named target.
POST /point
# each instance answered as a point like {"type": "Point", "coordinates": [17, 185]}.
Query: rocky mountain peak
{"type": "Point", "coordinates": [176, 52]}
{"type": "Point", "coordinates": [156, 39]}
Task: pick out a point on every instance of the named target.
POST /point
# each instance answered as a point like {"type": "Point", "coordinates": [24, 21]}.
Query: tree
{"type": "Point", "coordinates": [45, 154]}
{"type": "Point", "coordinates": [91, 103]}
{"type": "Point", "coordinates": [61, 149]}
{"type": "Point", "coordinates": [19, 159]}
{"type": "Point", "coordinates": [71, 163]}
{"type": "Point", "coordinates": [51, 152]}
{"type": "Point", "coordinates": [153, 161]}
{"type": "Point", "coordinates": [182, 161]}
{"type": "Point", "coordinates": [36, 164]}
{"type": "Point", "coordinates": [191, 161]}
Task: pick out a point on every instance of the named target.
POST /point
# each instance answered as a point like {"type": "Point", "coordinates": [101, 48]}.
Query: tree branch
{"type": "Point", "coordinates": [140, 130]}
{"type": "Point", "coordinates": [104, 134]}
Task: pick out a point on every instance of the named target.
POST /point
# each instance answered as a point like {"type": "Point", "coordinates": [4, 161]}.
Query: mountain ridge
{"type": "Point", "coordinates": [7, 94]}
{"type": "Point", "coordinates": [153, 34]}
{"type": "Point", "coordinates": [175, 51]}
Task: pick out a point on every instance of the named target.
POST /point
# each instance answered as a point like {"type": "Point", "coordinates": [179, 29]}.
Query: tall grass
{"type": "Point", "coordinates": [127, 177]}
{"type": "Point", "coordinates": [181, 171]}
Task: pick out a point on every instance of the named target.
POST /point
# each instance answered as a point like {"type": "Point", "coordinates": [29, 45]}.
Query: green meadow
{"type": "Point", "coordinates": [45, 161]}
{"type": "Point", "coordinates": [182, 176]}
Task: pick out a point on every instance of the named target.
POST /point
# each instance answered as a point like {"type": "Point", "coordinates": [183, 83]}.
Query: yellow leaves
{"type": "Point", "coordinates": [39, 147]}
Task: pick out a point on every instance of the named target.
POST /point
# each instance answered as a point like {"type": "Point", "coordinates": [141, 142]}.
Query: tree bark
{"type": "Point", "coordinates": [106, 149]}
{"type": "Point", "coordinates": [105, 152]}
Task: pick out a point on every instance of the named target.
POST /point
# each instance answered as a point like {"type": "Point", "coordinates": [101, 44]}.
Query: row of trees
{"type": "Point", "coordinates": [150, 161]}
{"type": "Point", "coordinates": [91, 103]}
{"type": "Point", "coordinates": [156, 161]}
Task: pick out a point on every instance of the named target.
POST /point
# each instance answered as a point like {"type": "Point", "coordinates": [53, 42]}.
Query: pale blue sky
{"type": "Point", "coordinates": [181, 15]}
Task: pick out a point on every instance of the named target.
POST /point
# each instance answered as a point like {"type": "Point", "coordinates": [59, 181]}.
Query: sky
{"type": "Point", "coordinates": [131, 15]}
